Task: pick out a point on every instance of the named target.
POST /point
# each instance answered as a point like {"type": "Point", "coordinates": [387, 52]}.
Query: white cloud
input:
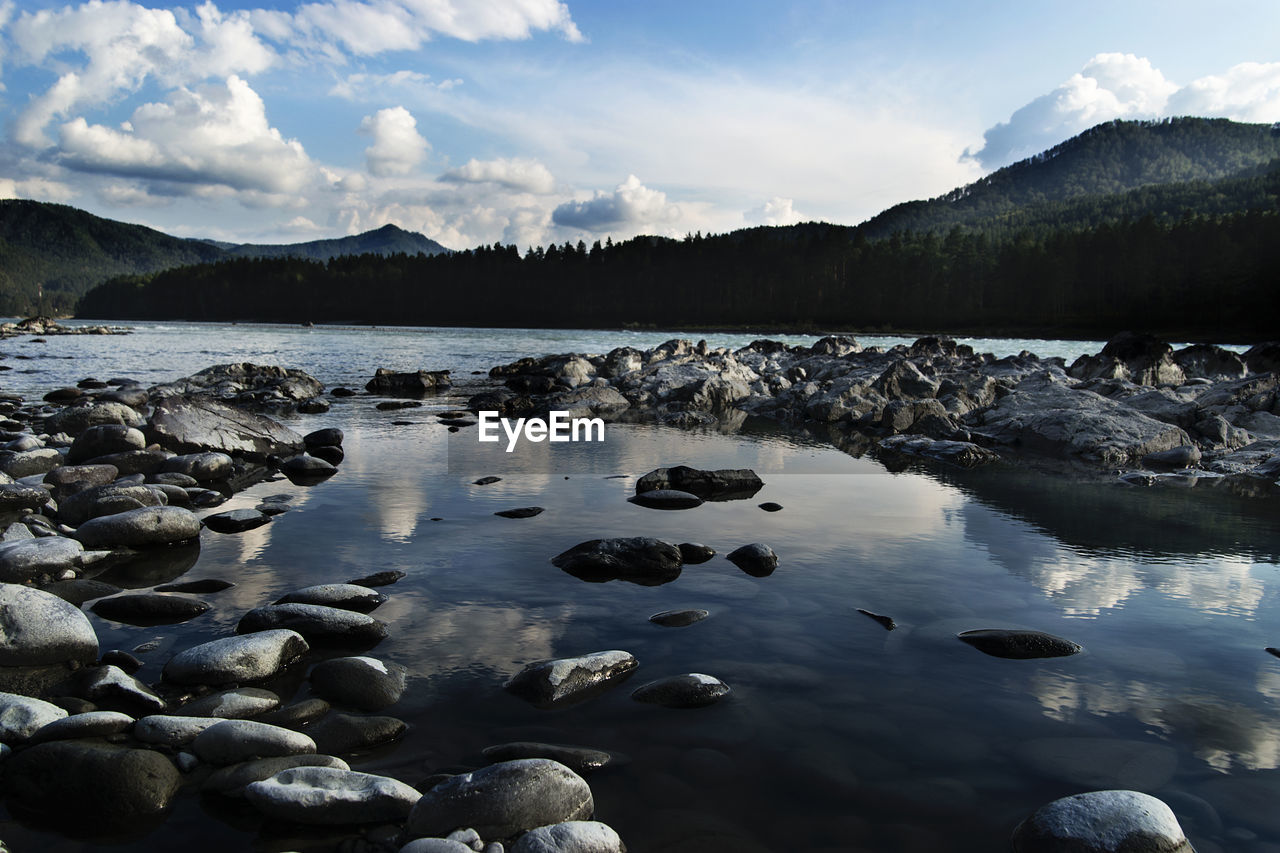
{"type": "Point", "coordinates": [215, 136]}
{"type": "Point", "coordinates": [630, 204]}
{"type": "Point", "coordinates": [363, 87]}
{"type": "Point", "coordinates": [775, 211]}
{"type": "Point", "coordinates": [38, 189]}
{"type": "Point", "coordinates": [397, 146]}
{"type": "Point", "coordinates": [1123, 86]}
{"type": "Point", "coordinates": [519, 174]}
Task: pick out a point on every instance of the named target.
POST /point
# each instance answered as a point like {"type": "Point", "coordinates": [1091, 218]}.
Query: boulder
{"type": "Point", "coordinates": [347, 596]}
{"type": "Point", "coordinates": [27, 560]}
{"type": "Point", "coordinates": [245, 384]}
{"type": "Point", "coordinates": [169, 730]}
{"type": "Point", "coordinates": [575, 836]}
{"type": "Point", "coordinates": [1102, 822]}
{"type": "Point", "coordinates": [342, 734]}
{"type": "Point", "coordinates": [232, 780]}
{"type": "Point", "coordinates": [75, 419]}
{"type": "Point", "coordinates": [419, 383]}
{"type": "Point", "coordinates": [1139, 358]}
{"type": "Point", "coordinates": [205, 467]}
{"type": "Point", "coordinates": [565, 680]}
{"type": "Point", "coordinates": [140, 528]}
{"type": "Point", "coordinates": [237, 703]}
{"type": "Point", "coordinates": [97, 501]}
{"type": "Point", "coordinates": [329, 795]}
{"type": "Point", "coordinates": [756, 559]}
{"type": "Point", "coordinates": [641, 560]}
{"type": "Point", "coordinates": [250, 657]}
{"type": "Point", "coordinates": [193, 424]}
{"type": "Point", "coordinates": [233, 741]}
{"type": "Point", "coordinates": [721, 485]}
{"type": "Point", "coordinates": [364, 683]}
{"type": "Point", "coordinates": [1019, 644]}
{"type": "Point", "coordinates": [38, 628]}
{"type": "Point", "coordinates": [103, 439]}
{"type": "Point", "coordinates": [691, 690]}
{"type": "Point", "coordinates": [67, 480]}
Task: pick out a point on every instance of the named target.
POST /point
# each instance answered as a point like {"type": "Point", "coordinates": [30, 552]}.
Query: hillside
{"type": "Point", "coordinates": [51, 254]}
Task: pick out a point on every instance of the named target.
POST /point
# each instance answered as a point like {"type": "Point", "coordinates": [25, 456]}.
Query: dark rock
{"type": "Point", "coordinates": [236, 520]}
{"type": "Point", "coordinates": [111, 688]}
{"type": "Point", "coordinates": [363, 683]}
{"type": "Point", "coordinates": [314, 406]}
{"type": "Point", "coordinates": [886, 622]}
{"type": "Point", "coordinates": [579, 759]}
{"type": "Point", "coordinates": [206, 467]}
{"type": "Point", "coordinates": [298, 715]}
{"type": "Point", "coordinates": [379, 578]}
{"type": "Point", "coordinates": [1102, 822]}
{"type": "Point", "coordinates": [70, 479]}
{"type": "Point", "coordinates": [149, 609]}
{"type": "Point", "coordinates": [343, 734]}
{"type": "Point", "coordinates": [237, 703]}
{"type": "Point", "coordinates": [1019, 644]}
{"type": "Point", "coordinates": [140, 528]}
{"type": "Point", "coordinates": [639, 559]}
{"type": "Point", "coordinates": [27, 560]}
{"type": "Point", "coordinates": [724, 484]}
{"type": "Point", "coordinates": [233, 741]}
{"type": "Point", "coordinates": [244, 384]}
{"type": "Point", "coordinates": [691, 690]}
{"type": "Point", "coordinates": [548, 683]}
{"type": "Point", "coordinates": [756, 559]}
{"type": "Point", "coordinates": [203, 585]}
{"type": "Point", "coordinates": [348, 596]}
{"type": "Point", "coordinates": [17, 497]}
{"type": "Point", "coordinates": [1139, 358]}
{"type": "Point", "coordinates": [80, 590]}
{"type": "Point", "coordinates": [331, 454]}
{"type": "Point", "coordinates": [962, 453]}
{"type": "Point", "coordinates": [193, 424]}
{"type": "Point", "coordinates": [123, 660]}
{"type": "Point", "coordinates": [342, 392]}
{"type": "Point", "coordinates": [693, 553]}
{"type": "Point", "coordinates": [1264, 357]}
{"type": "Point", "coordinates": [666, 499]}
{"type": "Point", "coordinates": [417, 384]}
{"type": "Point", "coordinates": [522, 512]}
{"type": "Point", "coordinates": [75, 419]}
{"type": "Point", "coordinates": [128, 462]}
{"type": "Point", "coordinates": [327, 437]}
{"type": "Point", "coordinates": [173, 478]}
{"type": "Point", "coordinates": [1204, 361]}
{"type": "Point", "coordinates": [307, 470]}
{"type": "Point", "coordinates": [103, 439]}
{"type": "Point", "coordinates": [1177, 457]}
{"type": "Point", "coordinates": [315, 622]}
{"type": "Point", "coordinates": [678, 618]}
{"type": "Point", "coordinates": [484, 481]}
{"type": "Point", "coordinates": [113, 498]}
{"type": "Point", "coordinates": [396, 405]}
{"type": "Point", "coordinates": [63, 395]}
{"type": "Point", "coordinates": [90, 724]}
{"type": "Point", "coordinates": [770, 506]}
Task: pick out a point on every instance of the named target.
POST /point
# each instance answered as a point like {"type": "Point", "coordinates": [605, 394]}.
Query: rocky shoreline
{"type": "Point", "coordinates": [109, 476]}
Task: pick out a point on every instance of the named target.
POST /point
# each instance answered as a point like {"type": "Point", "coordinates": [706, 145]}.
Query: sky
{"type": "Point", "coordinates": [529, 122]}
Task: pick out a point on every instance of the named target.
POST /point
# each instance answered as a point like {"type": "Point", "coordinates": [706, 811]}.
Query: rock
{"type": "Point", "coordinates": [193, 424]}
{"type": "Point", "coordinates": [140, 528]}
{"type": "Point", "coordinates": [315, 622]}
{"type": "Point", "coordinates": [437, 845]}
{"type": "Point", "coordinates": [21, 717]}
{"type": "Point", "coordinates": [172, 731]}
{"type": "Point", "coordinates": [566, 680]}
{"type": "Point", "coordinates": [70, 479]}
{"type": "Point", "coordinates": [503, 799]}
{"type": "Point", "coordinates": [904, 381]}
{"type": "Point", "coordinates": [88, 724]}
{"type": "Point", "coordinates": [693, 553]}
{"type": "Point", "coordinates": [579, 759]}
{"type": "Point", "coordinates": [232, 780]}
{"type": "Point", "coordinates": [379, 578]}
{"type": "Point", "coordinates": [417, 384]}
{"type": "Point", "coordinates": [129, 462]}
{"type": "Point", "coordinates": [297, 715]}
{"type": "Point", "coordinates": [521, 512]}
{"type": "Point", "coordinates": [104, 439]}
{"type": "Point", "coordinates": [771, 506]}
{"type": "Point", "coordinates": [347, 596]}
{"type": "Point", "coordinates": [724, 484]}
{"type": "Point", "coordinates": [1139, 358]}
{"type": "Point", "coordinates": [37, 628]}
{"type": "Point", "coordinates": [251, 657]}
{"type": "Point", "coordinates": [1204, 361]}
{"type": "Point", "coordinates": [639, 559]}
{"type": "Point", "coordinates": [112, 689]}
{"type": "Point", "coordinates": [28, 463]}
{"type": "Point", "coordinates": [236, 520]}
{"type": "Point", "coordinates": [756, 559]}
{"type": "Point", "coordinates": [328, 795]}
{"type": "Point", "coordinates": [1102, 822]}
{"type": "Point", "coordinates": [234, 741]}
{"type": "Point", "coordinates": [364, 683]}
{"type": "Point", "coordinates": [97, 501]}
{"type": "Point", "coordinates": [1177, 457]}
{"type": "Point", "coordinates": [332, 455]}
{"type": "Point", "coordinates": [80, 590]}
{"type": "Point", "coordinates": [112, 787]}
{"type": "Point", "coordinates": [1019, 644]}
{"type": "Point", "coordinates": [307, 469]}
{"type": "Point", "coordinates": [666, 499]}
{"type": "Point", "coordinates": [206, 467]}
{"type": "Point", "coordinates": [16, 497]}
{"type": "Point", "coordinates": [149, 609]}
{"type": "Point", "coordinates": [74, 420]}
{"type": "Point", "coordinates": [342, 734]}
{"type": "Point", "coordinates": [692, 690]}
{"type": "Point", "coordinates": [964, 454]}
{"type": "Point", "coordinates": [577, 836]}
{"type": "Point", "coordinates": [328, 437]}
{"type": "Point", "coordinates": [202, 585]}
{"type": "Point", "coordinates": [885, 622]}
{"type": "Point", "coordinates": [30, 559]}
{"type": "Point", "coordinates": [485, 481]}
{"type": "Point", "coordinates": [678, 618]}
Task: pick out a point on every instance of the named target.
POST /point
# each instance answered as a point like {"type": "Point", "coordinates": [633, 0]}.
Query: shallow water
{"type": "Point", "coordinates": [838, 735]}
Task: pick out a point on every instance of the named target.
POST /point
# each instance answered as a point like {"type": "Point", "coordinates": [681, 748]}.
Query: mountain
{"type": "Point", "coordinates": [51, 254]}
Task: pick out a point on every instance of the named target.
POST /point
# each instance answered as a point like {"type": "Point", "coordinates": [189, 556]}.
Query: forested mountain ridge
{"type": "Point", "coordinates": [51, 254]}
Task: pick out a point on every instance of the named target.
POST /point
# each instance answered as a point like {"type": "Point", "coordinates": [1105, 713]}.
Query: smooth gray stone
{"type": "Point", "coordinates": [347, 596]}
{"type": "Point", "coordinates": [551, 682]}
{"type": "Point", "coordinates": [756, 559]}
{"type": "Point", "coordinates": [315, 622]}
{"type": "Point", "coordinates": [171, 730]}
{"type": "Point", "coordinates": [112, 498]}
{"type": "Point", "coordinates": [74, 420]}
{"type": "Point", "coordinates": [435, 845]}
{"type": "Point", "coordinates": [38, 628]}
{"type": "Point", "coordinates": [19, 496]}
{"type": "Point", "coordinates": [342, 734]}
{"type": "Point", "coordinates": [22, 716]}
{"type": "Point", "coordinates": [666, 499]}
{"type": "Point", "coordinates": [504, 799]}
{"type": "Point", "coordinates": [297, 715]}
{"type": "Point", "coordinates": [133, 462]}
{"type": "Point", "coordinates": [17, 532]}
{"type": "Point", "coordinates": [71, 479]}
{"type": "Point", "coordinates": [330, 796]}
{"type": "Point", "coordinates": [29, 559]}
{"type": "Point", "coordinates": [691, 690]}
{"type": "Point", "coordinates": [235, 741]}
{"type": "Point", "coordinates": [327, 437]}
{"type": "Point", "coordinates": [103, 439]}
{"type": "Point", "coordinates": [208, 467]}
{"type": "Point", "coordinates": [1102, 822]}
{"type": "Point", "coordinates": [231, 781]}
{"type": "Point", "coordinates": [80, 590]}
{"type": "Point", "coordinates": [235, 704]}
{"type": "Point", "coordinates": [111, 688]}
{"type": "Point", "coordinates": [173, 478]}
{"type": "Point", "coordinates": [42, 460]}
{"type": "Point", "coordinates": [149, 608]}
{"type": "Point", "coordinates": [579, 759]}
{"type": "Point", "coordinates": [249, 657]}
{"type": "Point", "coordinates": [365, 683]}
{"type": "Point", "coordinates": [88, 724]}
{"type": "Point", "coordinates": [193, 424]}
{"type": "Point", "coordinates": [140, 528]}
{"type": "Point", "coordinates": [236, 520]}
{"type": "Point", "coordinates": [307, 467]}
{"type": "Point", "coordinates": [1019, 644]}
{"type": "Point", "coordinates": [575, 836]}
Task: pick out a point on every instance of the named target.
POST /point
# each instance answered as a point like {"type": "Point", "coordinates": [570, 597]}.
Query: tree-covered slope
{"type": "Point", "coordinates": [387, 240]}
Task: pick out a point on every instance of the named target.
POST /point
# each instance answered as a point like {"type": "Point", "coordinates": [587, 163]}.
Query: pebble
{"type": "Point", "coordinates": [331, 796]}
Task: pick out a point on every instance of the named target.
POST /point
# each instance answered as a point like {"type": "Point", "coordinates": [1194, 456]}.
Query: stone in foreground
{"type": "Point", "coordinates": [1102, 822]}
{"type": "Point", "coordinates": [140, 528]}
{"type": "Point", "coordinates": [691, 690]}
{"type": "Point", "coordinates": [38, 628]}
{"type": "Point", "coordinates": [504, 799]}
{"type": "Point", "coordinates": [555, 682]}
{"type": "Point", "coordinates": [233, 741]}
{"type": "Point", "coordinates": [250, 657]}
{"type": "Point", "coordinates": [575, 836]}
{"type": "Point", "coordinates": [359, 682]}
{"type": "Point", "coordinates": [328, 795]}
{"type": "Point", "coordinates": [22, 716]}
{"type": "Point", "coordinates": [1019, 645]}
{"type": "Point", "coordinates": [666, 499]}
{"type": "Point", "coordinates": [231, 781]}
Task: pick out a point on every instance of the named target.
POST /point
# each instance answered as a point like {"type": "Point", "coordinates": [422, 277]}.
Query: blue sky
{"type": "Point", "coordinates": [532, 121]}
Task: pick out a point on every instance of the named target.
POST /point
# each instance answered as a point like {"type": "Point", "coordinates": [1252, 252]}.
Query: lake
{"type": "Point", "coordinates": [838, 735]}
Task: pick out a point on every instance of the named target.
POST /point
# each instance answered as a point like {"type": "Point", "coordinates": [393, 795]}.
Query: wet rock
{"type": "Point", "coordinates": [328, 795]}
{"type": "Point", "coordinates": [22, 716]}
{"type": "Point", "coordinates": [149, 609]}
{"type": "Point", "coordinates": [70, 479]}
{"type": "Point", "coordinates": [315, 622]}
{"type": "Point", "coordinates": [297, 715]}
{"type": "Point", "coordinates": [191, 425]}
{"type": "Point", "coordinates": [678, 618]}
{"type": "Point", "coordinates": [30, 462]}
{"type": "Point", "coordinates": [140, 528]}
{"type": "Point", "coordinates": [416, 384]}
{"type": "Point", "coordinates": [693, 553]}
{"type": "Point", "coordinates": [485, 481]}
{"type": "Point", "coordinates": [232, 780]}
{"type": "Point", "coordinates": [75, 419]}
{"type": "Point", "coordinates": [31, 559]}
{"type": "Point", "coordinates": [961, 453]}
{"type": "Point", "coordinates": [577, 836]}
{"type": "Point", "coordinates": [172, 478]}
{"type": "Point", "coordinates": [17, 497]}
{"type": "Point", "coordinates": [771, 506]}
{"type": "Point", "coordinates": [129, 462]}
{"type": "Point", "coordinates": [251, 657]}
{"type": "Point", "coordinates": [207, 467]}
{"type": "Point", "coordinates": [112, 787]}
{"type": "Point", "coordinates": [236, 520]}
{"type": "Point", "coordinates": [438, 845]}
{"type": "Point", "coordinates": [126, 661]}
{"type": "Point", "coordinates": [169, 730]}
{"type": "Point", "coordinates": [332, 455]}
{"type": "Point", "coordinates": [89, 724]}
{"type": "Point", "coordinates": [756, 559]}
{"type": "Point", "coordinates": [328, 437]}
{"type": "Point", "coordinates": [566, 680]}
{"type": "Point", "coordinates": [691, 690]}
{"type": "Point", "coordinates": [379, 578]}
{"type": "Point", "coordinates": [104, 439]}
{"type": "Point", "coordinates": [639, 559]}
{"type": "Point", "coordinates": [886, 622]}
{"type": "Point", "coordinates": [724, 484]}
{"type": "Point", "coordinates": [202, 585]}
{"type": "Point", "coordinates": [521, 512]}
{"type": "Point", "coordinates": [234, 741]}
{"type": "Point", "coordinates": [38, 628]}
{"type": "Point", "coordinates": [1184, 456]}
{"type": "Point", "coordinates": [347, 596]}
{"type": "Point", "coordinates": [666, 499]}
{"type": "Point", "coordinates": [80, 590]}
{"type": "Point", "coordinates": [111, 688]}
{"type": "Point", "coordinates": [503, 799]}
{"type": "Point", "coordinates": [579, 759]}
{"type": "Point", "coordinates": [307, 469]}
{"type": "Point", "coordinates": [343, 734]}
{"type": "Point", "coordinates": [113, 498]}
{"type": "Point", "coordinates": [1019, 644]}
{"type": "Point", "coordinates": [1102, 822]}
{"type": "Point", "coordinates": [364, 683]}
{"type": "Point", "coordinates": [245, 384]}
{"type": "Point", "coordinates": [1139, 358]}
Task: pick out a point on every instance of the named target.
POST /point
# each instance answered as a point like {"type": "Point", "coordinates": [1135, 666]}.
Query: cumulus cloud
{"type": "Point", "coordinates": [1124, 86]}
{"type": "Point", "coordinates": [397, 146]}
{"type": "Point", "coordinates": [521, 175]}
{"type": "Point", "coordinates": [217, 135]}
{"type": "Point", "coordinates": [631, 204]}
{"type": "Point", "coordinates": [775, 211]}
{"type": "Point", "coordinates": [40, 189]}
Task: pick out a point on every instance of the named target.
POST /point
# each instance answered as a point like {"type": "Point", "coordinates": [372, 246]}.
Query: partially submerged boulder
{"type": "Point", "coordinates": [194, 424]}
